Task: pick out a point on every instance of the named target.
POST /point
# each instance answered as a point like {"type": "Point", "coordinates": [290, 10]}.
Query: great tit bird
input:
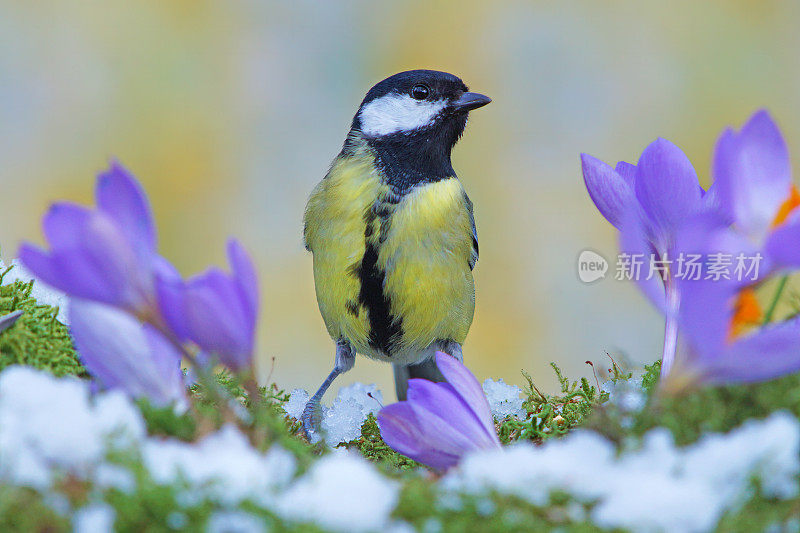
{"type": "Point", "coordinates": [392, 233]}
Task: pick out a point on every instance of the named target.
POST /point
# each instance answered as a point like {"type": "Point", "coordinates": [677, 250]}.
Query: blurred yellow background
{"type": "Point", "coordinates": [230, 111]}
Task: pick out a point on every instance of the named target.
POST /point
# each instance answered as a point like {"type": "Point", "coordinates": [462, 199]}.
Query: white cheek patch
{"type": "Point", "coordinates": [394, 113]}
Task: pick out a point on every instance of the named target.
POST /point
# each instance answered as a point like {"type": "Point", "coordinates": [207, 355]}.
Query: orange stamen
{"type": "Point", "coordinates": [787, 207]}
{"type": "Point", "coordinates": [746, 313]}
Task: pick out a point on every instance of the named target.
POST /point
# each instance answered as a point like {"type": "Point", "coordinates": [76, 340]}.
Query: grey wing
{"type": "Point", "coordinates": [473, 258]}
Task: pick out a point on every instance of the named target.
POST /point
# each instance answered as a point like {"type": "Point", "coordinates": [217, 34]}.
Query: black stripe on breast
{"type": "Point", "coordinates": [385, 329]}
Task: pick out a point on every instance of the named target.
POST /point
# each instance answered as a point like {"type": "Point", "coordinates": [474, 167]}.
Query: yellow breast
{"type": "Point", "coordinates": [426, 257]}
{"type": "Point", "coordinates": [417, 287]}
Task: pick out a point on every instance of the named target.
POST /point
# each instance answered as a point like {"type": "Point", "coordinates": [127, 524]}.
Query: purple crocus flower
{"type": "Point", "coordinates": [215, 310]}
{"type": "Point", "coordinates": [752, 177]}
{"type": "Point", "coordinates": [649, 202]}
{"type": "Point", "coordinates": [719, 344]}
{"type": "Point", "coordinates": [440, 422]}
{"type": "Point", "coordinates": [106, 254]}
{"type": "Point", "coordinates": [121, 353]}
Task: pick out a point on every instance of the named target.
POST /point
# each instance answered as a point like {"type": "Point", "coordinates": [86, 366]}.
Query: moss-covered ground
{"type": "Point", "coordinates": [40, 340]}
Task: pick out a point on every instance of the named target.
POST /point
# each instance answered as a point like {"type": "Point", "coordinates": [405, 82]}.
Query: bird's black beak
{"type": "Point", "coordinates": [470, 101]}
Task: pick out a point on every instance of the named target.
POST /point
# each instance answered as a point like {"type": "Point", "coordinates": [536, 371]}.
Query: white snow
{"type": "Point", "coordinates": [222, 467]}
{"type": "Point", "coordinates": [342, 492]}
{"type": "Point", "coordinates": [234, 522]}
{"type": "Point", "coordinates": [628, 395]}
{"type": "Point", "coordinates": [94, 518]}
{"type": "Point", "coordinates": [42, 293]}
{"type": "Point", "coordinates": [504, 400]}
{"type": "Point", "coordinates": [341, 422]}
{"type": "Point", "coordinates": [49, 425]}
{"type": "Point", "coordinates": [297, 402]}
{"type": "Point", "coordinates": [658, 487]}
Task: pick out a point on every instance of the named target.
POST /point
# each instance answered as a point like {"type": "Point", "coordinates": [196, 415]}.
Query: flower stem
{"type": "Point", "coordinates": [774, 303]}
{"type": "Point", "coordinates": [670, 329]}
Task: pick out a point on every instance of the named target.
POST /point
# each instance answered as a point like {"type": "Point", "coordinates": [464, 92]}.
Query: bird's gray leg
{"type": "Point", "coordinates": [454, 349]}
{"type": "Point", "coordinates": [425, 369]}
{"type": "Point", "coordinates": [312, 413]}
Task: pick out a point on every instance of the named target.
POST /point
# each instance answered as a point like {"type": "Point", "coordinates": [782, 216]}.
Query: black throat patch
{"type": "Point", "coordinates": [406, 159]}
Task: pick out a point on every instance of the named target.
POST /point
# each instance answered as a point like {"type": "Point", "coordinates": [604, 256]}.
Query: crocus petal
{"type": "Point", "coordinates": [442, 401]}
{"type": "Point", "coordinates": [770, 353]}
{"type": "Point", "coordinates": [609, 191]}
{"type": "Point", "coordinates": [440, 422]}
{"type": "Point", "coordinates": [65, 223]}
{"type": "Point", "coordinates": [400, 430]}
{"type": "Point", "coordinates": [437, 434]}
{"type": "Point", "coordinates": [84, 272]}
{"type": "Point", "coordinates": [635, 243]}
{"type": "Point", "coordinates": [90, 258]}
{"type": "Point", "coordinates": [245, 274]}
{"type": "Point", "coordinates": [628, 173]}
{"type": "Point", "coordinates": [164, 354]}
{"type": "Point", "coordinates": [465, 384]}
{"type": "Point", "coordinates": [121, 197]}
{"type": "Point", "coordinates": [667, 189]}
{"type": "Point", "coordinates": [706, 304]}
{"type": "Point", "coordinates": [712, 203]}
{"type": "Point", "coordinates": [40, 263]}
{"type": "Point", "coordinates": [752, 172]}
{"type": "Point", "coordinates": [783, 245]}
{"type": "Point", "coordinates": [215, 318]}
{"type": "Point", "coordinates": [214, 310]}
{"type": "Point", "coordinates": [170, 296]}
{"type": "Point", "coordinates": [706, 310]}
{"type": "Point", "coordinates": [118, 351]}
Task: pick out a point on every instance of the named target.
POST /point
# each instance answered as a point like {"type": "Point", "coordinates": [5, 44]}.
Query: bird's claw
{"type": "Point", "coordinates": [311, 419]}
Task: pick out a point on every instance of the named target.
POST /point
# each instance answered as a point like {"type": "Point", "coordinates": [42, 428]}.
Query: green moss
{"type": "Point", "coordinates": [37, 339]}
{"type": "Point", "coordinates": [718, 409]}
{"type": "Point", "coordinates": [23, 509]}
{"type": "Point", "coordinates": [427, 510]}
{"type": "Point", "coordinates": [167, 422]}
{"type": "Point", "coordinates": [651, 375]}
{"type": "Point", "coordinates": [155, 508]}
{"type": "Point", "coordinates": [372, 446]}
{"type": "Point", "coordinates": [551, 415]}
{"type": "Point", "coordinates": [706, 409]}
{"type": "Point", "coordinates": [759, 513]}
{"type": "Point", "coordinates": [152, 507]}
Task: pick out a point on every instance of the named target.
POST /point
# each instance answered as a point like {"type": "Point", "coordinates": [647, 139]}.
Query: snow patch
{"type": "Point", "coordinates": [628, 395]}
{"type": "Point", "coordinates": [342, 492]}
{"type": "Point", "coordinates": [50, 425]}
{"type": "Point", "coordinates": [341, 422]}
{"type": "Point", "coordinates": [234, 522]}
{"type": "Point", "coordinates": [94, 518]}
{"type": "Point", "coordinates": [222, 467]}
{"type": "Point", "coordinates": [657, 487]}
{"type": "Point", "coordinates": [504, 400]}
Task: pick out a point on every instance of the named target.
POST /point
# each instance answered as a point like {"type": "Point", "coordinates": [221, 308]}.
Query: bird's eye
{"type": "Point", "coordinates": [420, 92]}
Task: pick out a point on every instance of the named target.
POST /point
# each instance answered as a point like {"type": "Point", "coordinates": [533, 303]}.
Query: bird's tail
{"type": "Point", "coordinates": [426, 369]}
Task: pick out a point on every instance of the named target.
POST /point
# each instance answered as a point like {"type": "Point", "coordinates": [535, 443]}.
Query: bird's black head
{"type": "Point", "coordinates": [413, 119]}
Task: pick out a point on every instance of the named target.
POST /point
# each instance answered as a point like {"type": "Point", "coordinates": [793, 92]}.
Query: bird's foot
{"type": "Point", "coordinates": [311, 420]}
